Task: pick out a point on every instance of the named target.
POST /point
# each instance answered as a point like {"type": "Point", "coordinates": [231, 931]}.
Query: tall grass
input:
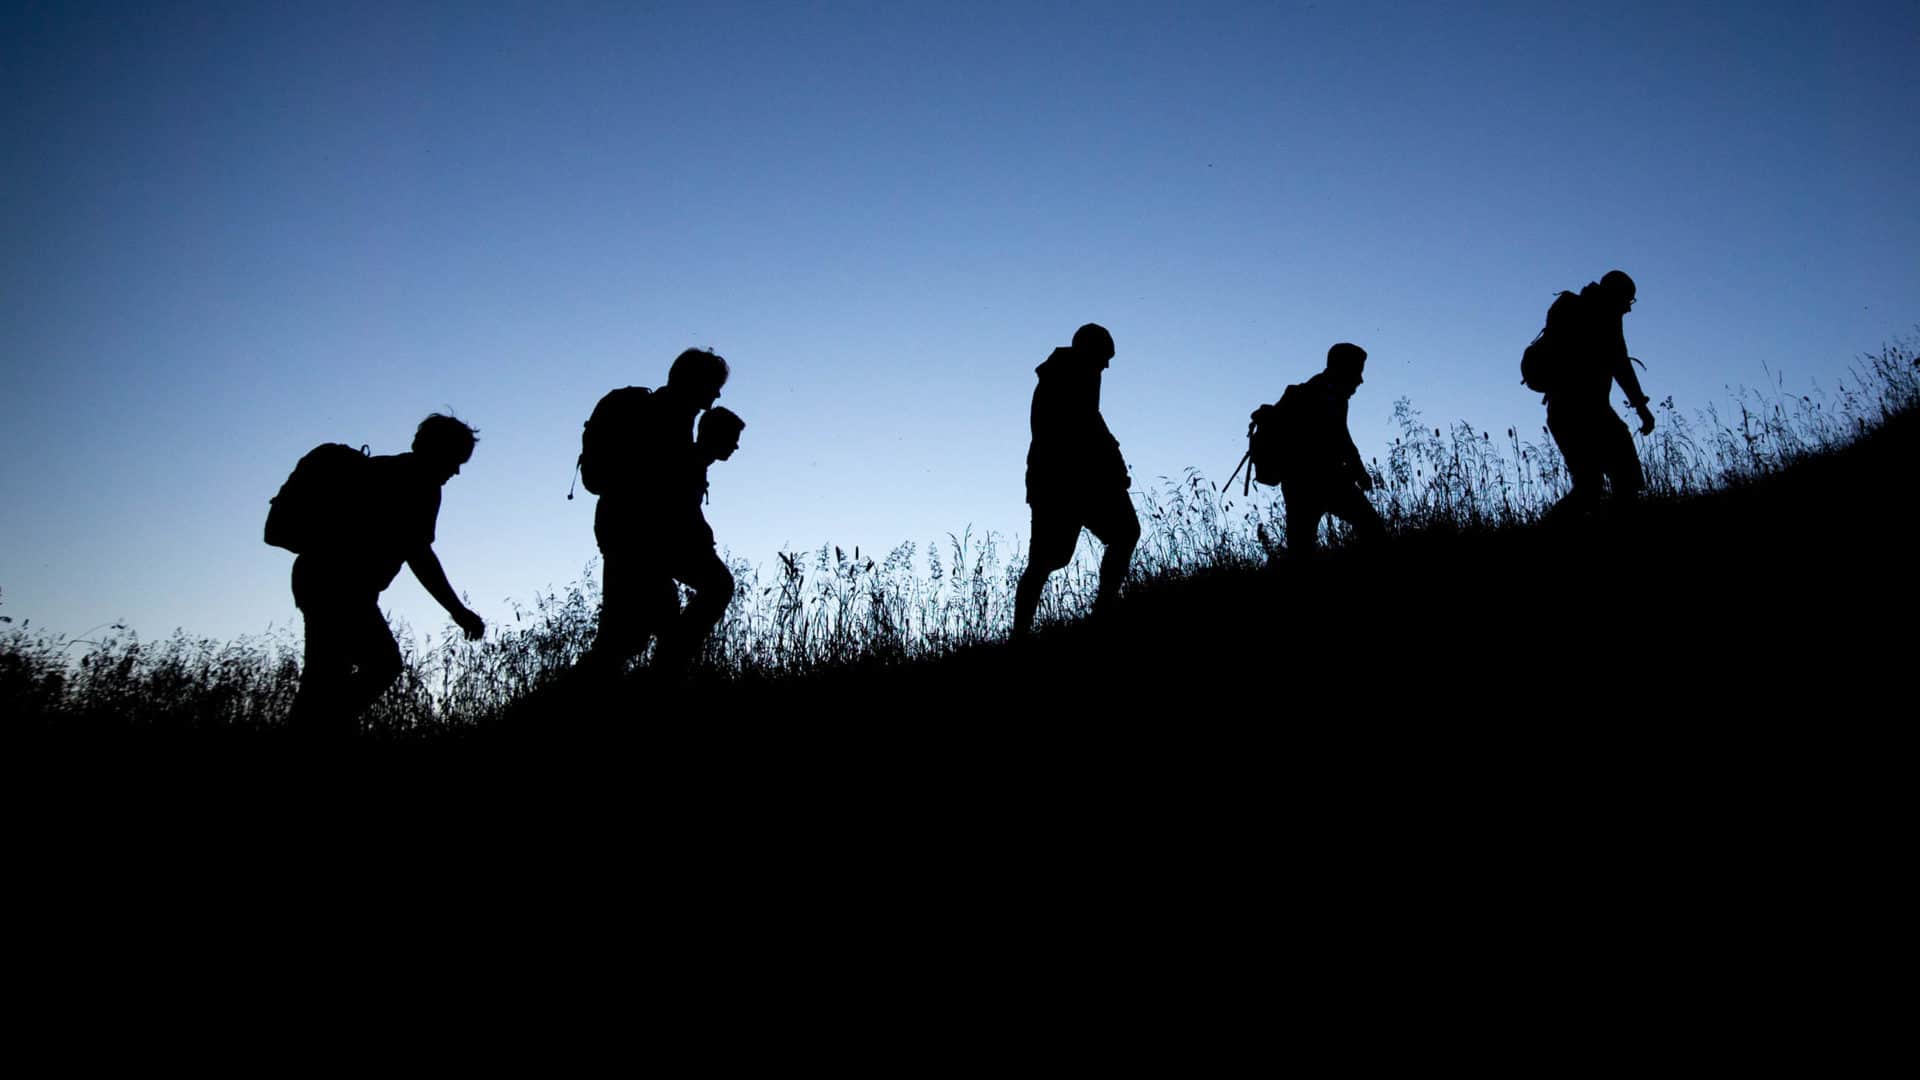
{"type": "Point", "coordinates": [829, 608]}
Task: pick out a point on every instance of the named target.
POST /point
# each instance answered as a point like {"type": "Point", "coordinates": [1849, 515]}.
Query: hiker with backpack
{"type": "Point", "coordinates": [1574, 362]}
{"type": "Point", "coordinates": [1075, 476]}
{"type": "Point", "coordinates": [353, 520]}
{"type": "Point", "coordinates": [1302, 444]}
{"type": "Point", "coordinates": [715, 438]}
{"type": "Point", "coordinates": [639, 454]}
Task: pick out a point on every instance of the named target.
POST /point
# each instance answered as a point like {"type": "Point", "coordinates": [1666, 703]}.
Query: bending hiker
{"type": "Point", "coordinates": [639, 455]}
{"type": "Point", "coordinates": [695, 563]}
{"type": "Point", "coordinates": [1575, 361]}
{"type": "Point", "coordinates": [354, 520]}
{"type": "Point", "coordinates": [1303, 443]}
{"type": "Point", "coordinates": [1075, 476]}
{"type": "Point", "coordinates": [715, 439]}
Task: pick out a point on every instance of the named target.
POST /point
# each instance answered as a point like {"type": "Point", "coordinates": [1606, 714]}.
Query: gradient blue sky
{"type": "Point", "coordinates": [233, 231]}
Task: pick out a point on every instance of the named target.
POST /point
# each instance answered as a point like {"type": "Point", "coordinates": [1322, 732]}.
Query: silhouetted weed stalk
{"type": "Point", "coordinates": [829, 608]}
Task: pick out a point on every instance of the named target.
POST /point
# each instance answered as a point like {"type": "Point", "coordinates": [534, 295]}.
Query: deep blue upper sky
{"type": "Point", "coordinates": [231, 232]}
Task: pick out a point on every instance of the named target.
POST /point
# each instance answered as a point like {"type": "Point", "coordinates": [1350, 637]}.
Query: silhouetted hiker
{"type": "Point", "coordinates": [1575, 361]}
{"type": "Point", "coordinates": [354, 520]}
{"type": "Point", "coordinates": [1075, 476]}
{"type": "Point", "coordinates": [1302, 441]}
{"type": "Point", "coordinates": [716, 439]}
{"type": "Point", "coordinates": [639, 455]}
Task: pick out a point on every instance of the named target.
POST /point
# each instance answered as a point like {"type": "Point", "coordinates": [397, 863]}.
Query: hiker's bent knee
{"type": "Point", "coordinates": [1042, 563]}
{"type": "Point", "coordinates": [382, 664]}
{"type": "Point", "coordinates": [710, 580]}
{"type": "Point", "coordinates": [719, 590]}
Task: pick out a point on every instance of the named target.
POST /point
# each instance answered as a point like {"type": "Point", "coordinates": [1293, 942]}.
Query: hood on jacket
{"type": "Point", "coordinates": [1062, 361]}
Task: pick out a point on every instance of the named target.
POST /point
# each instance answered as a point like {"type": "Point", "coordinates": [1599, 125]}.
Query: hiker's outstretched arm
{"type": "Point", "coordinates": [426, 567]}
{"type": "Point", "coordinates": [1629, 382]}
{"type": "Point", "coordinates": [1623, 374]}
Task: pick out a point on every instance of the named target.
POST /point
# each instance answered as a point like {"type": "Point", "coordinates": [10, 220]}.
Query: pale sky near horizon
{"type": "Point", "coordinates": [234, 231]}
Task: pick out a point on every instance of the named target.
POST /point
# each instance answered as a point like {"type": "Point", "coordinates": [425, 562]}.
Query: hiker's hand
{"type": "Point", "coordinates": [1646, 418]}
{"type": "Point", "coordinates": [471, 623]}
{"type": "Point", "coordinates": [1365, 481]}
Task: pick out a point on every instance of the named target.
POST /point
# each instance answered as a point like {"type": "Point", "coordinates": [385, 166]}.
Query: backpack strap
{"type": "Point", "coordinates": [1244, 458]}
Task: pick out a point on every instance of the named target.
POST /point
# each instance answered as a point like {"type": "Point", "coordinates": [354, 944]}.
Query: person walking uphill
{"type": "Point", "coordinates": [639, 455]}
{"type": "Point", "coordinates": [354, 520]}
{"type": "Point", "coordinates": [1575, 361]}
{"type": "Point", "coordinates": [1322, 472]}
{"type": "Point", "coordinates": [1075, 476]}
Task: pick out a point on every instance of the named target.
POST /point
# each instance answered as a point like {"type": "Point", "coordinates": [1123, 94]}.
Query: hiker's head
{"type": "Point", "coordinates": [1093, 342]}
{"type": "Point", "coordinates": [444, 444]}
{"type": "Point", "coordinates": [1345, 362]}
{"type": "Point", "coordinates": [1619, 288]}
{"type": "Point", "coordinates": [719, 434]}
{"type": "Point", "coordinates": [697, 375]}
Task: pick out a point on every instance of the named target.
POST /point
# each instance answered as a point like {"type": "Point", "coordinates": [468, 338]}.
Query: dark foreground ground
{"type": "Point", "coordinates": [1714, 637]}
{"type": "Point", "coordinates": [1541, 795]}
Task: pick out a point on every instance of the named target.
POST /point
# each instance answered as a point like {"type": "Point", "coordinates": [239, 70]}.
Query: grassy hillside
{"type": "Point", "coordinates": [1647, 766]}
{"type": "Point", "coordinates": [1789, 590]}
{"type": "Point", "coordinates": [1767, 583]}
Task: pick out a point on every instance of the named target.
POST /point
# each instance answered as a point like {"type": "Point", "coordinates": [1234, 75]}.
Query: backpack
{"type": "Point", "coordinates": [318, 504]}
{"type": "Point", "coordinates": [610, 436]}
{"type": "Point", "coordinates": [1543, 366]}
{"type": "Point", "coordinates": [1274, 437]}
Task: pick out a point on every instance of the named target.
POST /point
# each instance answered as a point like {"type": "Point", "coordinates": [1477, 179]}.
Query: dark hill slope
{"type": "Point", "coordinates": [1611, 752]}
{"type": "Point", "coordinates": [1767, 620]}
{"type": "Point", "coordinates": [1794, 592]}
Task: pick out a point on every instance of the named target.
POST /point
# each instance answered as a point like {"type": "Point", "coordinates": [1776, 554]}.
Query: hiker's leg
{"type": "Point", "coordinates": [1113, 521]}
{"type": "Point", "coordinates": [375, 653]}
{"type": "Point", "coordinates": [636, 596]}
{"type": "Point", "coordinates": [1304, 510]}
{"type": "Point", "coordinates": [1621, 461]}
{"type": "Point", "coordinates": [626, 613]}
{"type": "Point", "coordinates": [324, 673]}
{"type": "Point", "coordinates": [1055, 531]}
{"type": "Point", "coordinates": [712, 585]}
{"type": "Point", "coordinates": [1586, 469]}
{"type": "Point", "coordinates": [1351, 505]}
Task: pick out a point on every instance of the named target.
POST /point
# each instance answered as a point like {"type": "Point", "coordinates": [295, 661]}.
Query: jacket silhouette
{"type": "Point", "coordinates": [1072, 450]}
{"type": "Point", "coordinates": [1327, 454]}
{"type": "Point", "coordinates": [1324, 473]}
{"type": "Point", "coordinates": [1596, 443]}
{"type": "Point", "coordinates": [1076, 477]}
{"type": "Point", "coordinates": [649, 525]}
{"type": "Point", "coordinates": [351, 656]}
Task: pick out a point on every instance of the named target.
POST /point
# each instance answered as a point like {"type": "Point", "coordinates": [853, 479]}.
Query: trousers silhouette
{"type": "Point", "coordinates": [1108, 515]}
{"type": "Point", "coordinates": [351, 657]}
{"type": "Point", "coordinates": [639, 599]}
{"type": "Point", "coordinates": [1309, 501]}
